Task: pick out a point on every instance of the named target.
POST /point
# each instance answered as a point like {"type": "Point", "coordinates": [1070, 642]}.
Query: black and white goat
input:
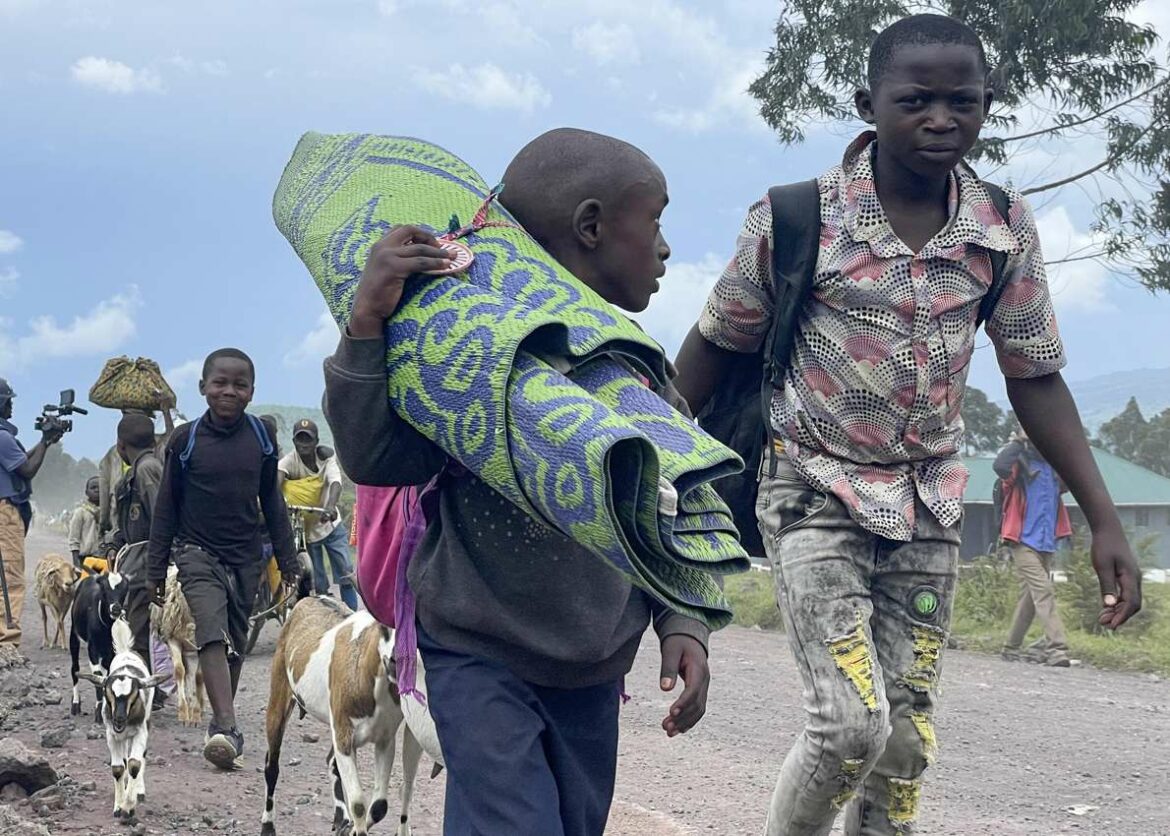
{"type": "Point", "coordinates": [97, 604]}
{"type": "Point", "coordinates": [127, 694]}
{"type": "Point", "coordinates": [339, 667]}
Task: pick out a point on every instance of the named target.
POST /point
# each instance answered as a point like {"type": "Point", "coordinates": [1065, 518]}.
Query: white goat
{"type": "Point", "coordinates": [54, 583]}
{"type": "Point", "coordinates": [338, 666]}
{"type": "Point", "coordinates": [127, 694]}
{"type": "Point", "coordinates": [176, 627]}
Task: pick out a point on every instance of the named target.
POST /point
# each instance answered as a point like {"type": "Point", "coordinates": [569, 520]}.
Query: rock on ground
{"type": "Point", "coordinates": [21, 765]}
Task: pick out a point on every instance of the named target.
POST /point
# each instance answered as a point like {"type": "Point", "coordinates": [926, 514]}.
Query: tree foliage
{"type": "Point", "coordinates": [1086, 74]}
{"type": "Point", "coordinates": [987, 427]}
{"type": "Point", "coordinates": [1141, 441]}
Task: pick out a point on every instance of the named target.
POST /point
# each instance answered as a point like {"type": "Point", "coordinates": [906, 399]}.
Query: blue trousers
{"type": "Point", "coordinates": [522, 760]}
{"type": "Point", "coordinates": [336, 548]}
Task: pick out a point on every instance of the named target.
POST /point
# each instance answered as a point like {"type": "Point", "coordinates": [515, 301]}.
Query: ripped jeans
{"type": "Point", "coordinates": [866, 619]}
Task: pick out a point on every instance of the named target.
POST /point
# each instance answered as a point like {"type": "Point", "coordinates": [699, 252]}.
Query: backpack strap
{"type": "Point", "coordinates": [796, 246]}
{"type": "Point", "coordinates": [185, 456]}
{"type": "Point", "coordinates": [1003, 205]}
{"type": "Point", "coordinates": [267, 447]}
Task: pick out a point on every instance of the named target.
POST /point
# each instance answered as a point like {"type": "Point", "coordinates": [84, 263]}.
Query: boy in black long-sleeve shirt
{"type": "Point", "coordinates": [208, 520]}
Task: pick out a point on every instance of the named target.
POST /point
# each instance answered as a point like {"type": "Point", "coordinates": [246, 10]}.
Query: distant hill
{"type": "Point", "coordinates": [286, 418]}
{"type": "Point", "coordinates": [1103, 397]}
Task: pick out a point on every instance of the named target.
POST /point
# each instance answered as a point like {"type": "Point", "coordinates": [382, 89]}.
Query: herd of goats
{"type": "Point", "coordinates": [333, 664]}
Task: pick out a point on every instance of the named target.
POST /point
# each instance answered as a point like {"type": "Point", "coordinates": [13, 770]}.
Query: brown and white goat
{"type": "Point", "coordinates": [54, 584]}
{"type": "Point", "coordinates": [176, 627]}
{"type": "Point", "coordinates": [338, 666]}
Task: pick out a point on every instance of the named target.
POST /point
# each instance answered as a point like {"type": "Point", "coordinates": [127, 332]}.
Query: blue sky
{"type": "Point", "coordinates": [143, 140]}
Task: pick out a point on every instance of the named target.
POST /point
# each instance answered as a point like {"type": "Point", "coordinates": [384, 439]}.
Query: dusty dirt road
{"type": "Point", "coordinates": [1025, 750]}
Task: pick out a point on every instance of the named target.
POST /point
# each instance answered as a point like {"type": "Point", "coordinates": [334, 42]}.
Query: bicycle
{"type": "Point", "coordinates": [266, 605]}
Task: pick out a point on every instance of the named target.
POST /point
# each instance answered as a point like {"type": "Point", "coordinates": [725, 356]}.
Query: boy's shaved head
{"type": "Point", "coordinates": [228, 353]}
{"type": "Point", "coordinates": [919, 30]}
{"type": "Point", "coordinates": [554, 173]}
{"type": "Point", "coordinates": [136, 431]}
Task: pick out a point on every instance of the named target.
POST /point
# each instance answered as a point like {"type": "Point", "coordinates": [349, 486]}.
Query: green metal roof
{"type": "Point", "coordinates": [1128, 483]}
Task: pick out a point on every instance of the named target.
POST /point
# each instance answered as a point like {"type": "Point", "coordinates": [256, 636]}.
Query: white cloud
{"type": "Point", "coordinates": [184, 379]}
{"type": "Point", "coordinates": [8, 278]}
{"type": "Point", "coordinates": [10, 242]}
{"type": "Point", "coordinates": [728, 105]}
{"type": "Point", "coordinates": [388, 7]}
{"type": "Point", "coordinates": [607, 44]}
{"type": "Point", "coordinates": [317, 344]}
{"type": "Point", "coordinates": [1075, 285]}
{"type": "Point", "coordinates": [115, 77]}
{"type": "Point", "coordinates": [486, 87]}
{"type": "Point", "coordinates": [675, 308]}
{"type": "Point", "coordinates": [108, 325]}
{"type": "Point", "coordinates": [216, 67]}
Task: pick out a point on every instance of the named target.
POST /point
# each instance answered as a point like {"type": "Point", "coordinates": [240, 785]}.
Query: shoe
{"type": "Point", "coordinates": [1058, 660]}
{"type": "Point", "coordinates": [223, 747]}
{"type": "Point", "coordinates": [159, 702]}
{"type": "Point", "coordinates": [1011, 654]}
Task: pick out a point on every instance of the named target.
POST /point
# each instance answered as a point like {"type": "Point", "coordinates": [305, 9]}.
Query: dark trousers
{"type": "Point", "coordinates": [522, 760]}
{"type": "Point", "coordinates": [138, 614]}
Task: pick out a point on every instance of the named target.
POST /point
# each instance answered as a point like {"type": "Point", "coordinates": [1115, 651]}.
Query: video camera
{"type": "Point", "coordinates": [52, 418]}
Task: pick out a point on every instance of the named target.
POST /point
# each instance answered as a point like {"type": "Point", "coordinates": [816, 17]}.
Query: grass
{"type": "Point", "coordinates": [986, 600]}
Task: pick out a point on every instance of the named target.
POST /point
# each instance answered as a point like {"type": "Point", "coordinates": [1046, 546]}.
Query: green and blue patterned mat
{"type": "Point", "coordinates": [519, 371]}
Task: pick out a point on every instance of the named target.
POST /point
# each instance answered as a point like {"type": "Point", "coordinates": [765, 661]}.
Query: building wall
{"type": "Point", "coordinates": [979, 529]}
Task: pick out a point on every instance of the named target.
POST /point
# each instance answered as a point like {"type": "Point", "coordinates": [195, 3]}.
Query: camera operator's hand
{"type": "Point", "coordinates": [51, 436]}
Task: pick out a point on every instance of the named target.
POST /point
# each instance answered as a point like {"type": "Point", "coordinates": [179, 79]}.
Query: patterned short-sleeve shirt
{"type": "Point", "coordinates": [870, 409]}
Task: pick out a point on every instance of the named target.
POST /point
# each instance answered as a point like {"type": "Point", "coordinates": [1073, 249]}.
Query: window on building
{"type": "Point", "coordinates": [1142, 517]}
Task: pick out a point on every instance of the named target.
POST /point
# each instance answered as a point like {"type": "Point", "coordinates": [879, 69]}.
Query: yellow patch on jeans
{"type": "Point", "coordinates": [854, 659]}
{"type": "Point", "coordinates": [923, 674]}
{"type": "Point", "coordinates": [850, 778]}
{"type": "Point", "coordinates": [904, 797]}
{"type": "Point", "coordinates": [925, 727]}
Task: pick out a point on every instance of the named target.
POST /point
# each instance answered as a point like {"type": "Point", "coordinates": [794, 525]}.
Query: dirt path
{"type": "Point", "coordinates": [1022, 747]}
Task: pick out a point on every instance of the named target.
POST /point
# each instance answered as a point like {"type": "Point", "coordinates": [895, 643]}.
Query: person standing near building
{"type": "Point", "coordinates": [1034, 520]}
{"type": "Point", "coordinates": [310, 475]}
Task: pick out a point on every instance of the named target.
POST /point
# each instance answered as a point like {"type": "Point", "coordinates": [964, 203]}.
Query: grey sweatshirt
{"type": "Point", "coordinates": [489, 580]}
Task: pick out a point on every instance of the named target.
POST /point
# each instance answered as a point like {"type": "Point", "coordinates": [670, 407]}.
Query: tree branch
{"type": "Point", "coordinates": [1053, 129]}
{"type": "Point", "coordinates": [1070, 259]}
{"type": "Point", "coordinates": [1108, 161]}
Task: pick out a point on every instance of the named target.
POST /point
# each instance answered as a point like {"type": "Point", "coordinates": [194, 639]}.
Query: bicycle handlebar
{"type": "Point", "coordinates": [309, 509]}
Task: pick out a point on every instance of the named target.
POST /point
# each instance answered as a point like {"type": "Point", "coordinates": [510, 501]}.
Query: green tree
{"type": "Point", "coordinates": [987, 428]}
{"type": "Point", "coordinates": [1124, 434]}
{"type": "Point", "coordinates": [1079, 65]}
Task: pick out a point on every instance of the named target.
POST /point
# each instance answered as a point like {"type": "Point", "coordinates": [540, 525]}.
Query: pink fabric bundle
{"type": "Point", "coordinates": [381, 523]}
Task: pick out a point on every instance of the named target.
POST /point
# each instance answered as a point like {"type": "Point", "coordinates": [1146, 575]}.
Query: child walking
{"type": "Point", "coordinates": [525, 635]}
{"type": "Point", "coordinates": [207, 520]}
{"type": "Point", "coordinates": [84, 538]}
{"type": "Point", "coordinates": [860, 500]}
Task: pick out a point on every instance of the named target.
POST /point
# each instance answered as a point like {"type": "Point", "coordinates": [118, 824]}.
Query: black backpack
{"type": "Point", "coordinates": [739, 411]}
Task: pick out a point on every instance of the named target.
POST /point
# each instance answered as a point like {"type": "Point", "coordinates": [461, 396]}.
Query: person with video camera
{"type": "Point", "coordinates": [17, 469]}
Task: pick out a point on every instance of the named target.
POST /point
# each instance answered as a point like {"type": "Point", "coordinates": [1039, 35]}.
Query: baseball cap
{"type": "Point", "coordinates": [6, 393]}
{"type": "Point", "coordinates": [306, 427]}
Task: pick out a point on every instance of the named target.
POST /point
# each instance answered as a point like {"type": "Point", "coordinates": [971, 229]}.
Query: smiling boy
{"type": "Point", "coordinates": [207, 520]}
{"type": "Point", "coordinates": [860, 499]}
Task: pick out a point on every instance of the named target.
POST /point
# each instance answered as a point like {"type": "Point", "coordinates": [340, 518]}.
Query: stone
{"type": "Point", "coordinates": [13, 824]}
{"type": "Point", "coordinates": [310, 737]}
{"type": "Point", "coordinates": [55, 738]}
{"type": "Point", "coordinates": [20, 765]}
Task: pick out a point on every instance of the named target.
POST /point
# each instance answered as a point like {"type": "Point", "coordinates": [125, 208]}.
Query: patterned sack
{"type": "Point", "coordinates": [130, 384]}
{"type": "Point", "coordinates": [520, 372]}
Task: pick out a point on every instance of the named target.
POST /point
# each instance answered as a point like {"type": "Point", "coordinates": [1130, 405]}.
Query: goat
{"type": "Point", "coordinates": [53, 585]}
{"type": "Point", "coordinates": [127, 694]}
{"type": "Point", "coordinates": [176, 627]}
{"type": "Point", "coordinates": [338, 666]}
{"type": "Point", "coordinates": [99, 601]}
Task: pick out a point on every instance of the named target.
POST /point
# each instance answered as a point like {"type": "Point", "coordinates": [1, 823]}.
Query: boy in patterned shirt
{"type": "Point", "coordinates": [860, 500]}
